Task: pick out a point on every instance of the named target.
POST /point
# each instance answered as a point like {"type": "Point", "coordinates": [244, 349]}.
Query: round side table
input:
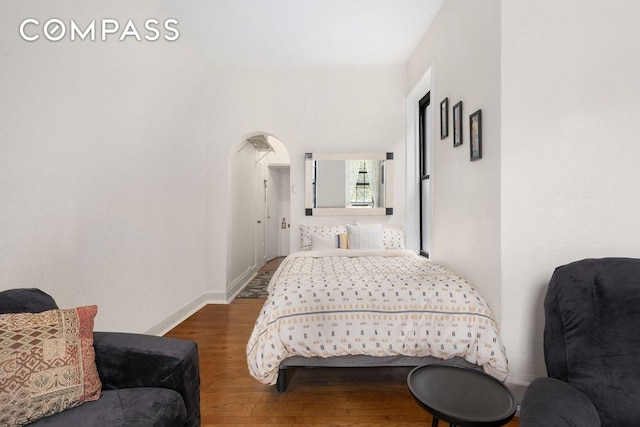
{"type": "Point", "coordinates": [462, 396]}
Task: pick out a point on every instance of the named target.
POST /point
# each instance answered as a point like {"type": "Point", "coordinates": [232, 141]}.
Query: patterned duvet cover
{"type": "Point", "coordinates": [376, 303]}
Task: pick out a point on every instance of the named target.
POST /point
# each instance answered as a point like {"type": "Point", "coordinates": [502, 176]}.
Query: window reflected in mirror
{"type": "Point", "coordinates": [347, 183]}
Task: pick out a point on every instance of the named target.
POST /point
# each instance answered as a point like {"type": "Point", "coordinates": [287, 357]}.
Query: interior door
{"type": "Point", "coordinates": [261, 219]}
{"type": "Point", "coordinates": [285, 210]}
{"type": "Point", "coordinates": [274, 216]}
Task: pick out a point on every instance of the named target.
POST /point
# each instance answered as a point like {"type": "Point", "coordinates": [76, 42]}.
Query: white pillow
{"type": "Point", "coordinates": [366, 236]}
{"type": "Point", "coordinates": [393, 238]}
{"type": "Point", "coordinates": [321, 230]}
{"type": "Point", "coordinates": [319, 243]}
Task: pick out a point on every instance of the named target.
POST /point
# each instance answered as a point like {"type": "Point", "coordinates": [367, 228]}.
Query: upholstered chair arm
{"type": "Point", "coordinates": [553, 403]}
{"type": "Point", "coordinates": [133, 360]}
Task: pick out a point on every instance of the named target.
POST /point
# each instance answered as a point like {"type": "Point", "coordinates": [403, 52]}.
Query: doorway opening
{"type": "Point", "coordinates": [259, 206]}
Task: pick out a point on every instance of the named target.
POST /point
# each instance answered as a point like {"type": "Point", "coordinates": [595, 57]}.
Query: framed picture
{"type": "Point", "coordinates": [444, 118]}
{"type": "Point", "coordinates": [475, 135]}
{"type": "Point", "coordinates": [457, 124]}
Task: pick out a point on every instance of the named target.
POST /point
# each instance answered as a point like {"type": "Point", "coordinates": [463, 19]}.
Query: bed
{"type": "Point", "coordinates": [370, 307]}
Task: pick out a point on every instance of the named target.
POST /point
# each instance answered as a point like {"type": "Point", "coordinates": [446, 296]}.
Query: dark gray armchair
{"type": "Point", "coordinates": [146, 380]}
{"type": "Point", "coordinates": [591, 347]}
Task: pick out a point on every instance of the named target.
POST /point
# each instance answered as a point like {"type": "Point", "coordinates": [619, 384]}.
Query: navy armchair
{"type": "Point", "coordinates": [146, 380]}
{"type": "Point", "coordinates": [591, 342]}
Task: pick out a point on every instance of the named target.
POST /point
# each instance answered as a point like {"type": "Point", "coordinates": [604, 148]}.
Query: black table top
{"type": "Point", "coordinates": [462, 396]}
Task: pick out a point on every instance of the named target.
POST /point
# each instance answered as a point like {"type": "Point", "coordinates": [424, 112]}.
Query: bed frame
{"type": "Point", "coordinates": [360, 362]}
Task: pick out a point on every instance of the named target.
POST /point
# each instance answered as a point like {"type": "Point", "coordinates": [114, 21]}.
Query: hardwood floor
{"type": "Point", "coordinates": [315, 397]}
{"type": "Point", "coordinates": [272, 264]}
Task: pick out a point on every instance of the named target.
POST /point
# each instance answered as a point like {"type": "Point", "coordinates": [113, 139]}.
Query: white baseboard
{"type": "Point", "coordinates": [240, 282]}
{"type": "Point", "coordinates": [179, 316]}
{"type": "Point", "coordinates": [235, 290]}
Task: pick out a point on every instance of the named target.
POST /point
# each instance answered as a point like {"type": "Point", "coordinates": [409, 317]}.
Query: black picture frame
{"type": "Point", "coordinates": [444, 118]}
{"type": "Point", "coordinates": [475, 135]}
{"type": "Point", "coordinates": [457, 124]}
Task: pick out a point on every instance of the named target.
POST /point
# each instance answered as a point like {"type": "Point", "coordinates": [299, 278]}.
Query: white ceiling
{"type": "Point", "coordinates": [302, 32]}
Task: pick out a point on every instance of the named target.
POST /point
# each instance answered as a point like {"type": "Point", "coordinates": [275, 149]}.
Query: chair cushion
{"type": "Point", "coordinates": [592, 310]}
{"type": "Point", "coordinates": [550, 402]}
{"type": "Point", "coordinates": [143, 406]}
{"type": "Point", "coordinates": [25, 300]}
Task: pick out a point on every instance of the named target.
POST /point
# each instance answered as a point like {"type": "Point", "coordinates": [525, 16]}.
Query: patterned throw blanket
{"type": "Point", "coordinates": [376, 303]}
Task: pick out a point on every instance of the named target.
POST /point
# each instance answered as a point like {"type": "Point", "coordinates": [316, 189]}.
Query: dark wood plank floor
{"type": "Point", "coordinates": [273, 264]}
{"type": "Point", "coordinates": [315, 397]}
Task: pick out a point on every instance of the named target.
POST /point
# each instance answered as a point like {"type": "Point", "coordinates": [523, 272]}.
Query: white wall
{"type": "Point", "coordinates": [461, 50]}
{"type": "Point", "coordinates": [570, 152]}
{"type": "Point", "coordinates": [242, 205]}
{"type": "Point", "coordinates": [308, 110]}
{"type": "Point", "coordinates": [557, 82]}
{"type": "Point", "coordinates": [102, 167]}
{"type": "Point", "coordinates": [114, 178]}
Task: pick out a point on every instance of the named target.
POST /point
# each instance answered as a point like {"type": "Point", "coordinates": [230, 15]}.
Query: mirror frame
{"type": "Point", "coordinates": [309, 210]}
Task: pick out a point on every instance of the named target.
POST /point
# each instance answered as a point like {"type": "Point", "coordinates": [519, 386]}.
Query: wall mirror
{"type": "Point", "coordinates": [348, 184]}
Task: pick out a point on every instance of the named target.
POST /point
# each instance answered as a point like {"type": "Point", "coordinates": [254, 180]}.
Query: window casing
{"type": "Point", "coordinates": [424, 141]}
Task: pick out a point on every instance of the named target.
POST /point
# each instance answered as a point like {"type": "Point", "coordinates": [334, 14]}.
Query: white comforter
{"type": "Point", "coordinates": [382, 303]}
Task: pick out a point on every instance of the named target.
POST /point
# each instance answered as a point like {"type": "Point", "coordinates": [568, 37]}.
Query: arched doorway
{"type": "Point", "coordinates": [258, 206]}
